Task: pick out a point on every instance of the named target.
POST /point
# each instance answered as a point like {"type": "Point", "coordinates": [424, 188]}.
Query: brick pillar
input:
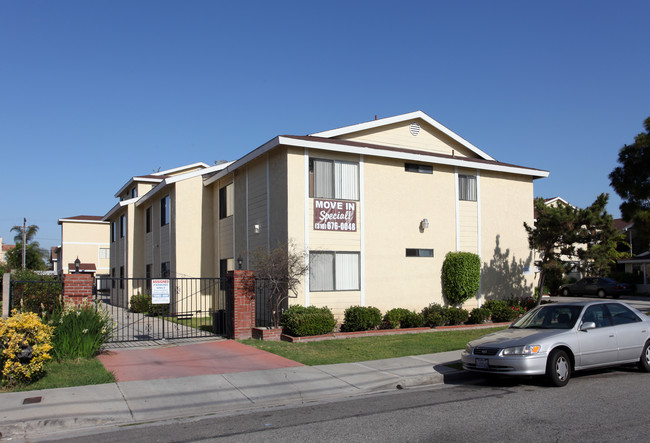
{"type": "Point", "coordinates": [242, 315]}
{"type": "Point", "coordinates": [78, 289]}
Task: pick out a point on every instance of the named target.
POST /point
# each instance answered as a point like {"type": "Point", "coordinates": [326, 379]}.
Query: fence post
{"type": "Point", "coordinates": [6, 282]}
{"type": "Point", "coordinates": [242, 313]}
{"type": "Point", "coordinates": [78, 289]}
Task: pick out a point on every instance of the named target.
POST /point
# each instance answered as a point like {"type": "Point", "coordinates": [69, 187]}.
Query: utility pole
{"type": "Point", "coordinates": [24, 245]}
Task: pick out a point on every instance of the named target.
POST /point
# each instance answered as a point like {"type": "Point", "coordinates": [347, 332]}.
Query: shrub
{"type": "Point", "coordinates": [300, 321]}
{"type": "Point", "coordinates": [402, 318]}
{"type": "Point", "coordinates": [141, 303]}
{"type": "Point", "coordinates": [461, 273]}
{"type": "Point", "coordinates": [361, 318]}
{"type": "Point", "coordinates": [80, 332]}
{"type": "Point", "coordinates": [24, 347]}
{"type": "Point", "coordinates": [479, 315]}
{"type": "Point", "coordinates": [501, 311]}
{"type": "Point", "coordinates": [456, 316]}
{"type": "Point", "coordinates": [36, 293]}
{"type": "Point", "coordinates": [434, 315]}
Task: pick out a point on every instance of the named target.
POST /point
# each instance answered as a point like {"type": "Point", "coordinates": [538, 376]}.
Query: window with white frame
{"type": "Point", "coordinates": [334, 271]}
{"type": "Point", "coordinates": [104, 253]}
{"type": "Point", "coordinates": [467, 187]}
{"type": "Point", "coordinates": [333, 179]}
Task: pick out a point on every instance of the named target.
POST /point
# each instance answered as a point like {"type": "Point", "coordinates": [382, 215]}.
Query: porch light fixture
{"type": "Point", "coordinates": [424, 224]}
{"type": "Point", "coordinates": [77, 263]}
{"type": "Point", "coordinates": [239, 262]}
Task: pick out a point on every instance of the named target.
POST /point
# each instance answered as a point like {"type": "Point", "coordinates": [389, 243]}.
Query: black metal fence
{"type": "Point", "coordinates": [35, 295]}
{"type": "Point", "coordinates": [264, 301]}
{"type": "Point", "coordinates": [185, 308]}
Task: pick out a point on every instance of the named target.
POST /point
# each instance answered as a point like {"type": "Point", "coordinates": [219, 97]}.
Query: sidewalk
{"type": "Point", "coordinates": [91, 409]}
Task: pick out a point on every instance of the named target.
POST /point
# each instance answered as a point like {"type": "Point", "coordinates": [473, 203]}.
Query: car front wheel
{"type": "Point", "coordinates": [644, 361]}
{"type": "Point", "coordinates": [558, 368]}
{"type": "Point", "coordinates": [601, 293]}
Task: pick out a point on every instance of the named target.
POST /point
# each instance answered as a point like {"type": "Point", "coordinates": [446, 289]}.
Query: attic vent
{"type": "Point", "coordinates": [415, 129]}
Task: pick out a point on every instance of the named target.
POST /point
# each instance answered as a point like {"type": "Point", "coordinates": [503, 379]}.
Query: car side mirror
{"type": "Point", "coordinates": [587, 325]}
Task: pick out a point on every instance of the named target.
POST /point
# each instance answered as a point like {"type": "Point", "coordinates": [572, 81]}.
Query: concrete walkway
{"type": "Point", "coordinates": [55, 413]}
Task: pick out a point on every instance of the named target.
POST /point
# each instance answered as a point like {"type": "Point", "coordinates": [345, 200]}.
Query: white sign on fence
{"type": "Point", "coordinates": [160, 291]}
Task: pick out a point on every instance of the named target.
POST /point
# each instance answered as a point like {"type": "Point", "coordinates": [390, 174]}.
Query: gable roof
{"type": "Point", "coordinates": [354, 147]}
{"type": "Point", "coordinates": [399, 119]}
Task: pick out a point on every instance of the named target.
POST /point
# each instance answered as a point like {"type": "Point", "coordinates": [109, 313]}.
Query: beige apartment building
{"type": "Point", "coordinates": [84, 237]}
{"type": "Point", "coordinates": [376, 205]}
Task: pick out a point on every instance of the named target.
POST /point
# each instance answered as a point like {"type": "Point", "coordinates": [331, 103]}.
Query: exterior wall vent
{"type": "Point", "coordinates": [414, 129]}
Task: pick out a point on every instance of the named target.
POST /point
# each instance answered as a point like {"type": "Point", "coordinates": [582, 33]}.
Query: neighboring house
{"type": "Point", "coordinates": [377, 206]}
{"type": "Point", "coordinates": [3, 250]}
{"type": "Point", "coordinates": [639, 265]}
{"type": "Point", "coordinates": [55, 264]}
{"type": "Point", "coordinates": [85, 237]}
{"type": "Point", "coordinates": [627, 228]}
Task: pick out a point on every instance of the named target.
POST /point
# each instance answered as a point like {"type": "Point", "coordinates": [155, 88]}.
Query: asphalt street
{"type": "Point", "coordinates": [607, 405]}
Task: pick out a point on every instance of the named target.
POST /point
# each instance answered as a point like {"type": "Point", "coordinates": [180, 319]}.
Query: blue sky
{"type": "Point", "coordinates": [92, 93]}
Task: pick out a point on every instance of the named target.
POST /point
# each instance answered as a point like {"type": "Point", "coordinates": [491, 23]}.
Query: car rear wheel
{"type": "Point", "coordinates": [565, 292]}
{"type": "Point", "coordinates": [558, 368]}
{"type": "Point", "coordinates": [644, 361]}
{"type": "Point", "coordinates": [601, 293]}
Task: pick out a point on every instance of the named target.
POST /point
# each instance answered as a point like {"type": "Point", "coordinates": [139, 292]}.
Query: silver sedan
{"type": "Point", "coordinates": [559, 338]}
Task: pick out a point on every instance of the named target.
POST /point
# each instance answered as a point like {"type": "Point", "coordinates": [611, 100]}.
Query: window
{"type": "Point", "coordinates": [226, 197]}
{"type": "Point", "coordinates": [165, 270]}
{"type": "Point", "coordinates": [597, 314]}
{"type": "Point", "coordinates": [622, 315]}
{"type": "Point", "coordinates": [134, 192]}
{"type": "Point", "coordinates": [113, 232]}
{"type": "Point", "coordinates": [104, 253]}
{"type": "Point", "coordinates": [467, 187]}
{"type": "Point", "coordinates": [147, 276]}
{"type": "Point", "coordinates": [334, 271]}
{"type": "Point", "coordinates": [333, 179]}
{"type": "Point", "coordinates": [113, 278]}
{"type": "Point", "coordinates": [422, 169]}
{"type": "Point", "coordinates": [122, 226]}
{"type": "Point", "coordinates": [419, 252]}
{"type": "Point", "coordinates": [121, 277]}
{"type": "Point", "coordinates": [147, 219]}
{"type": "Point", "coordinates": [164, 211]}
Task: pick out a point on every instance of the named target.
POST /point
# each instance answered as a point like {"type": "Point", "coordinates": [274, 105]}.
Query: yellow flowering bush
{"type": "Point", "coordinates": [25, 343]}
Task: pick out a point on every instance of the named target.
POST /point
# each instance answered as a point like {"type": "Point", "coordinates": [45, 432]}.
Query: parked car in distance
{"type": "Point", "coordinates": [558, 338]}
{"type": "Point", "coordinates": [602, 287]}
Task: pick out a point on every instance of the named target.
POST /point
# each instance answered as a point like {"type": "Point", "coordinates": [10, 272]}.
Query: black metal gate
{"type": "Point", "coordinates": [197, 307]}
{"type": "Point", "coordinates": [264, 301]}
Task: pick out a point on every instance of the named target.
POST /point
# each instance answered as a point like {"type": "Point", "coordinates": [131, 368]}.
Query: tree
{"type": "Point", "coordinates": [631, 181]}
{"type": "Point", "coordinates": [33, 253]}
{"type": "Point", "coordinates": [564, 233]}
{"type": "Point", "coordinates": [283, 268]}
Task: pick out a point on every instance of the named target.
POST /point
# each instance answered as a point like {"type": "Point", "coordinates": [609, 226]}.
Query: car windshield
{"type": "Point", "coordinates": [549, 317]}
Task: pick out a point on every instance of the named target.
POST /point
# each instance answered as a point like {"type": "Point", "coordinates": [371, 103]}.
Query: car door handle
{"type": "Point", "coordinates": [611, 336]}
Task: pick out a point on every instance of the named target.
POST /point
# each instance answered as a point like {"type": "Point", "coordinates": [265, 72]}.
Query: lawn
{"type": "Point", "coordinates": [68, 373]}
{"type": "Point", "coordinates": [351, 350]}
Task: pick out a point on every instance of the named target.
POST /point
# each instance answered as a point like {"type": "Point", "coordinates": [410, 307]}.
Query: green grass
{"type": "Point", "coordinates": [351, 350]}
{"type": "Point", "coordinates": [68, 373]}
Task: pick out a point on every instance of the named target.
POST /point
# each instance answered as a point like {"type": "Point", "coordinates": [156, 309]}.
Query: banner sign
{"type": "Point", "coordinates": [335, 215]}
{"type": "Point", "coordinates": [160, 291]}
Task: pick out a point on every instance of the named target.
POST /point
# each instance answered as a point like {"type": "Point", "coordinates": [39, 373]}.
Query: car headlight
{"type": "Point", "coordinates": [468, 348]}
{"type": "Point", "coordinates": [522, 350]}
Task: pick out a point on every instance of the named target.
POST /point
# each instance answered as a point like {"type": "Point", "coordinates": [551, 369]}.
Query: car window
{"type": "Point", "coordinates": [621, 315]}
{"type": "Point", "coordinates": [549, 317]}
{"type": "Point", "coordinates": [597, 314]}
